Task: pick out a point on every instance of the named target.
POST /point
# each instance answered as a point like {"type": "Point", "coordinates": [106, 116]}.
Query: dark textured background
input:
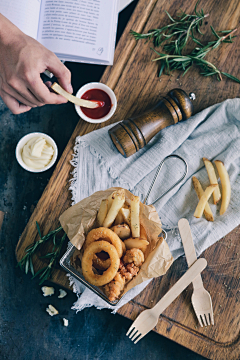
{"type": "Point", "coordinates": [26, 330]}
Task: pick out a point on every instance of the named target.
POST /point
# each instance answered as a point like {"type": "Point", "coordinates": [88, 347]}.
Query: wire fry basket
{"type": "Point", "coordinates": [66, 260]}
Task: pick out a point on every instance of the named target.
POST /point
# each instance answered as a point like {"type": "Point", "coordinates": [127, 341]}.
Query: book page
{"type": "Point", "coordinates": [77, 27]}
{"type": "Point", "coordinates": [122, 4]}
{"type": "Point", "coordinates": [22, 13]}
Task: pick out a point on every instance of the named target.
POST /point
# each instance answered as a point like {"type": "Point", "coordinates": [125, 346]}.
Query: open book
{"type": "Point", "coordinates": [75, 30]}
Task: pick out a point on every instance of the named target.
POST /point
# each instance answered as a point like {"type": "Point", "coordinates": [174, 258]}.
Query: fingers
{"type": "Point", "coordinates": [61, 72]}
{"type": "Point", "coordinates": [22, 94]}
{"type": "Point", "coordinates": [13, 104]}
{"type": "Point", "coordinates": [32, 93]}
{"type": "Point", "coordinates": [43, 94]}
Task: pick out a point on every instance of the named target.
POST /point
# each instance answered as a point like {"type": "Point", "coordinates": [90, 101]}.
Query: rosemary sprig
{"type": "Point", "coordinates": [174, 37]}
{"type": "Point", "coordinates": [26, 263]}
{"type": "Point", "coordinates": [177, 33]}
{"type": "Point", "coordinates": [184, 62]}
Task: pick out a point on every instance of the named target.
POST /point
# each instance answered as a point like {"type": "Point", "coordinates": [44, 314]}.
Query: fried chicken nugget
{"type": "Point", "coordinates": [114, 288]}
{"type": "Point", "coordinates": [135, 256]}
{"type": "Point", "coordinates": [128, 271]}
{"type": "Point", "coordinates": [125, 274]}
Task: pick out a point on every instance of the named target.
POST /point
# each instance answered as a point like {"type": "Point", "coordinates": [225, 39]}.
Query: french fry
{"type": "Point", "coordinates": [199, 190]}
{"type": "Point", "coordinates": [119, 218]}
{"type": "Point", "coordinates": [126, 215]}
{"type": "Point", "coordinates": [203, 200]}
{"type": "Point", "coordinates": [135, 222]}
{"type": "Point", "coordinates": [81, 102]}
{"type": "Point", "coordinates": [226, 186]}
{"type": "Point", "coordinates": [102, 212]}
{"type": "Point", "coordinates": [213, 179]}
{"type": "Point", "coordinates": [136, 243]}
{"type": "Point", "coordinates": [110, 199]}
{"type": "Point", "coordinates": [117, 203]}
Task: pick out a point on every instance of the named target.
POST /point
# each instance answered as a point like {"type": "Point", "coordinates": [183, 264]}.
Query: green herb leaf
{"type": "Point", "coordinates": [214, 32]}
{"type": "Point", "coordinates": [39, 272]}
{"type": "Point", "coordinates": [38, 229]}
{"type": "Point", "coordinates": [26, 265]}
{"type": "Point", "coordinates": [169, 16]}
{"type": "Point", "coordinates": [31, 266]}
{"type": "Point", "coordinates": [231, 77]}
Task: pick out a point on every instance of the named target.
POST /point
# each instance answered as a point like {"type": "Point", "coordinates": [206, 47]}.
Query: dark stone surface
{"type": "Point", "coordinates": [27, 332]}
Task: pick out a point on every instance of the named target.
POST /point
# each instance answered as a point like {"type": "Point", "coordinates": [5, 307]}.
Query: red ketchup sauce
{"type": "Point", "coordinates": [102, 98]}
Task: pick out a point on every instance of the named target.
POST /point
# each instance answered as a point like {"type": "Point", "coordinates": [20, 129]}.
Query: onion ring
{"type": "Point", "coordinates": [103, 264]}
{"type": "Point", "coordinates": [105, 234]}
{"type": "Point", "coordinates": [110, 273]}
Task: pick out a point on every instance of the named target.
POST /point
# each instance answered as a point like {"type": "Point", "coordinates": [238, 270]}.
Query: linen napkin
{"type": "Point", "coordinates": [213, 133]}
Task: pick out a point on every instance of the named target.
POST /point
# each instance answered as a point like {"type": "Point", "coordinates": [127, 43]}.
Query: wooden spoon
{"type": "Point", "coordinates": [81, 102]}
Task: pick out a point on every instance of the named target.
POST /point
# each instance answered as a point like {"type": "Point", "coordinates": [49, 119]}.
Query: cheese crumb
{"type": "Point", "coordinates": [62, 294]}
{"type": "Point", "coordinates": [51, 310]}
{"type": "Point", "coordinates": [47, 291]}
{"type": "Point", "coordinates": [65, 322]}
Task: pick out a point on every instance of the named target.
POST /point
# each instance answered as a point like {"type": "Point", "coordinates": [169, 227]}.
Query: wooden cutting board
{"type": "Point", "coordinates": [136, 85]}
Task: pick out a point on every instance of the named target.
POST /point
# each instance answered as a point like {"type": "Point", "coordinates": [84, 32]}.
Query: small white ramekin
{"type": "Point", "coordinates": [23, 142]}
{"type": "Point", "coordinates": [97, 85]}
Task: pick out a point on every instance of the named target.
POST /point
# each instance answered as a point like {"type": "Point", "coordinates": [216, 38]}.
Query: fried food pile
{"type": "Point", "coordinates": [113, 253]}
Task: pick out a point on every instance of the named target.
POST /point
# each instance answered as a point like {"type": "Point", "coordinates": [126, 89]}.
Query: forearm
{"type": "Point", "coordinates": [8, 31]}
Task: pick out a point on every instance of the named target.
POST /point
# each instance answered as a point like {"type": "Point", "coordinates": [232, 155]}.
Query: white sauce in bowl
{"type": "Point", "coordinates": [37, 153]}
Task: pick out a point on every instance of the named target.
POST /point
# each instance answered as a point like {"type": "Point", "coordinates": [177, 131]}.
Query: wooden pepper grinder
{"type": "Point", "coordinates": [134, 133]}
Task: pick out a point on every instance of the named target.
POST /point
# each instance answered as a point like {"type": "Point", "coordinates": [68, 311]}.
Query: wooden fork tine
{"type": "Point", "coordinates": [199, 320]}
{"type": "Point", "coordinates": [212, 318]}
{"type": "Point", "coordinates": [135, 335]}
{"type": "Point", "coordinates": [140, 337]}
{"type": "Point", "coordinates": [207, 317]}
{"type": "Point", "coordinates": [203, 320]}
{"type": "Point", "coordinates": [130, 329]}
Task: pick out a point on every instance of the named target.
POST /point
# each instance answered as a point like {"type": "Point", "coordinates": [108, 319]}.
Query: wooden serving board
{"type": "Point", "coordinates": [136, 85]}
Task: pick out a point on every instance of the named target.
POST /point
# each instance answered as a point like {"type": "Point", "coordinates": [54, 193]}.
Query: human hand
{"type": "Point", "coordinates": [22, 60]}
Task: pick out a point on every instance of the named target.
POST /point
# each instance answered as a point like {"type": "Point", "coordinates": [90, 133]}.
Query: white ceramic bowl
{"type": "Point", "coordinates": [96, 85]}
{"type": "Point", "coordinates": [24, 140]}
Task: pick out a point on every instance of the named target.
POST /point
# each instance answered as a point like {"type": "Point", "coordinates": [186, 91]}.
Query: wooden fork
{"type": "Point", "coordinates": [201, 299]}
{"type": "Point", "coordinates": [146, 321]}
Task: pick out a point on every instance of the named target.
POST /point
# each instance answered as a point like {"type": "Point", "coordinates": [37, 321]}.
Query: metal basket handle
{"type": "Point", "coordinates": [156, 176]}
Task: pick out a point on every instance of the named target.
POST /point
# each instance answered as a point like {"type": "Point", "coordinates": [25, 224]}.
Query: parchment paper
{"type": "Point", "coordinates": [79, 219]}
